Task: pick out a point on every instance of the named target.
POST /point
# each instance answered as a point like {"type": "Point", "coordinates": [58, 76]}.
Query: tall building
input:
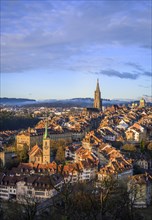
{"type": "Point", "coordinates": [142, 103]}
{"type": "Point", "coordinates": [97, 97]}
{"type": "Point", "coordinates": [46, 145]}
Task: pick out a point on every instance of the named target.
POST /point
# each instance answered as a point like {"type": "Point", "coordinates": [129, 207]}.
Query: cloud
{"type": "Point", "coordinates": [140, 69]}
{"type": "Point", "coordinates": [122, 75]}
{"type": "Point", "coordinates": [135, 65]}
{"type": "Point", "coordinates": [52, 34]}
{"type": "Point", "coordinates": [146, 73]}
{"type": "Point", "coordinates": [145, 87]}
{"type": "Point", "coordinates": [148, 98]}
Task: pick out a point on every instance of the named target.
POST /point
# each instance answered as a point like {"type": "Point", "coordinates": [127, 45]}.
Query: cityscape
{"type": "Point", "coordinates": [76, 110]}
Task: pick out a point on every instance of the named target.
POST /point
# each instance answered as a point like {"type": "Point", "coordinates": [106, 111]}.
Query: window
{"type": "Point", "coordinates": [39, 193]}
{"type": "Point", "coordinates": [2, 194]}
{"type": "Point", "coordinates": [5, 191]}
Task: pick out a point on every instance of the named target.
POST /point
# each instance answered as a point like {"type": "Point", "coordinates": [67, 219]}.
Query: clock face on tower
{"type": "Point", "coordinates": [46, 147]}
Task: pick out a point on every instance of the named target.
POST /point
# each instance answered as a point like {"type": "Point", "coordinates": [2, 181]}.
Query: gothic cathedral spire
{"type": "Point", "coordinates": [97, 97]}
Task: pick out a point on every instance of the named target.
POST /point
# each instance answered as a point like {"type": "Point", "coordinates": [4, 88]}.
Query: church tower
{"type": "Point", "coordinates": [97, 97]}
{"type": "Point", "coordinates": [142, 103]}
{"type": "Point", "coordinates": [46, 145]}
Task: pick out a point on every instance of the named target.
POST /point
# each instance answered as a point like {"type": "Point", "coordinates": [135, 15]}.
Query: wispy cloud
{"type": "Point", "coordinates": [146, 73]}
{"type": "Point", "coordinates": [115, 73]}
{"type": "Point", "coordinates": [48, 34]}
{"type": "Point", "coordinates": [135, 65]}
{"type": "Point", "coordinates": [144, 86]}
{"type": "Point", "coordinates": [140, 69]}
{"type": "Point", "coordinates": [148, 98]}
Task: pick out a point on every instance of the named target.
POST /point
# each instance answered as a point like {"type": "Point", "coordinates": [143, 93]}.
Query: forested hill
{"type": "Point", "coordinates": [9, 121]}
{"type": "Point", "coordinates": [14, 101]}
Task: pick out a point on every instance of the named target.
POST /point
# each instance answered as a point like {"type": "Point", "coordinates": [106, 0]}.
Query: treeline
{"type": "Point", "coordinates": [81, 201]}
{"type": "Point", "coordinates": [9, 121]}
{"type": "Point", "coordinates": [59, 105]}
{"type": "Point", "coordinates": [15, 100]}
{"type": "Point", "coordinates": [58, 149]}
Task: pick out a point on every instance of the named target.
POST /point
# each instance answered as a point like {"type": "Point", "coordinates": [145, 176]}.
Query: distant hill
{"type": "Point", "coordinates": [15, 101]}
{"type": "Point", "coordinates": [74, 102]}
{"type": "Point", "coordinates": [78, 102]}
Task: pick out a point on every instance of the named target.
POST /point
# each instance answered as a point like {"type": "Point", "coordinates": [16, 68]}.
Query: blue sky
{"type": "Point", "coordinates": [58, 49]}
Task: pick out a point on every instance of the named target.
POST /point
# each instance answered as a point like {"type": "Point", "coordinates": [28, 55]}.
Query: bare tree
{"type": "Point", "coordinates": [62, 202]}
{"type": "Point", "coordinates": [29, 206]}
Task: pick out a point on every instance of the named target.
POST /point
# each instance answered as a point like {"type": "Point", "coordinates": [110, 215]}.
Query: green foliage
{"type": "Point", "coordinates": [129, 147]}
{"type": "Point", "coordinates": [60, 155]}
{"type": "Point", "coordinates": [22, 155]}
{"type": "Point", "coordinates": [81, 201]}
{"type": "Point", "coordinates": [55, 144]}
{"type": "Point", "coordinates": [10, 210]}
{"type": "Point", "coordinates": [1, 165]}
{"type": "Point", "coordinates": [149, 147]}
{"type": "Point", "coordinates": [58, 147]}
{"type": "Point", "coordinates": [9, 121]}
{"type": "Point", "coordinates": [142, 145]}
{"type": "Point", "coordinates": [84, 201]}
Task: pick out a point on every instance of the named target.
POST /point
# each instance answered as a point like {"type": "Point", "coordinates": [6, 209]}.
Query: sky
{"type": "Point", "coordinates": [58, 49]}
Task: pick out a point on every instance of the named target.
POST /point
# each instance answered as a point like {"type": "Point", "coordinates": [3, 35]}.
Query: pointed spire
{"type": "Point", "coordinates": [45, 136]}
{"type": "Point", "coordinates": [97, 97]}
{"type": "Point", "coordinates": [97, 87]}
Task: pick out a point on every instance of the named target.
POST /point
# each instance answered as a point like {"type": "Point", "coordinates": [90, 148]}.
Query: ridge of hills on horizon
{"type": "Point", "coordinates": [13, 100]}
{"type": "Point", "coordinates": [73, 102]}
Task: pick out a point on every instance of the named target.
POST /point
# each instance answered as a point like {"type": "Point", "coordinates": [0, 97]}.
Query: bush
{"type": "Point", "coordinates": [149, 147]}
{"type": "Point", "coordinates": [129, 147]}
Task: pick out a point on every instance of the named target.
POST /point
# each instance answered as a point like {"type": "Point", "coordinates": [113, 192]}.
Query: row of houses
{"type": "Point", "coordinates": [40, 181]}
{"type": "Point", "coordinates": [13, 187]}
{"type": "Point", "coordinates": [112, 163]}
{"type": "Point", "coordinates": [136, 133]}
{"type": "Point", "coordinates": [71, 127]}
{"type": "Point", "coordinates": [140, 190]}
{"type": "Point", "coordinates": [124, 123]}
{"type": "Point", "coordinates": [107, 158]}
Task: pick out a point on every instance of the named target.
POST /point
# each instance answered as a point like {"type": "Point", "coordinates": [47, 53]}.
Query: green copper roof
{"type": "Point", "coordinates": [45, 136]}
